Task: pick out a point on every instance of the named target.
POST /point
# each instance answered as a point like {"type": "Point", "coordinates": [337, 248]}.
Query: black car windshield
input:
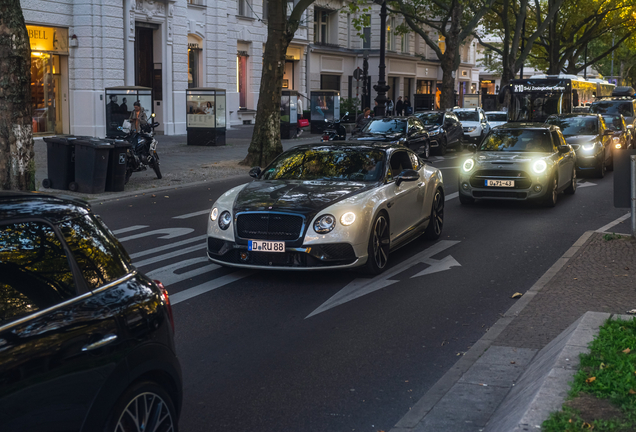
{"type": "Point", "coordinates": [431, 118]}
{"type": "Point", "coordinates": [613, 107]}
{"type": "Point", "coordinates": [467, 115]}
{"type": "Point", "coordinates": [328, 164]}
{"type": "Point", "coordinates": [385, 126]}
{"type": "Point", "coordinates": [497, 117]}
{"type": "Point", "coordinates": [571, 126]}
{"type": "Point", "coordinates": [614, 123]}
{"type": "Point", "coordinates": [517, 140]}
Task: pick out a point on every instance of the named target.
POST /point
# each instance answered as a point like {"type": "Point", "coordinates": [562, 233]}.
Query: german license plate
{"type": "Point", "coordinates": [265, 246]}
{"type": "Point", "coordinates": [500, 183]}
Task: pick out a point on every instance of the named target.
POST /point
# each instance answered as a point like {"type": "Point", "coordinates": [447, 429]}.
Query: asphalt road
{"type": "Point", "coordinates": [273, 351]}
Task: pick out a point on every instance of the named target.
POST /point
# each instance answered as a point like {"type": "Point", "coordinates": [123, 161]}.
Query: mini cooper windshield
{"type": "Point", "coordinates": [573, 126]}
{"type": "Point", "coordinates": [328, 164]}
{"type": "Point", "coordinates": [513, 140]}
{"type": "Point", "coordinates": [385, 126]}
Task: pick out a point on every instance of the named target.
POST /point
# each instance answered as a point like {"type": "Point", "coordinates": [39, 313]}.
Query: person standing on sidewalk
{"type": "Point", "coordinates": [408, 110]}
{"type": "Point", "coordinates": [299, 111]}
{"type": "Point", "coordinates": [399, 106]}
{"type": "Point", "coordinates": [138, 117]}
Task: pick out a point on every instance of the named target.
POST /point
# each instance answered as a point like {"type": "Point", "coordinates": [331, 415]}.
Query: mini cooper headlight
{"type": "Point", "coordinates": [589, 146]}
{"type": "Point", "coordinates": [348, 218]}
{"type": "Point", "coordinates": [324, 224]}
{"type": "Point", "coordinates": [214, 214]}
{"type": "Point", "coordinates": [539, 166]}
{"type": "Point", "coordinates": [225, 220]}
{"type": "Point", "coordinates": [468, 165]}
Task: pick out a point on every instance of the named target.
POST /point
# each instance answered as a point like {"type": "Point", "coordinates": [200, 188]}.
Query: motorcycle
{"type": "Point", "coordinates": [334, 130]}
{"type": "Point", "coordinates": [143, 152]}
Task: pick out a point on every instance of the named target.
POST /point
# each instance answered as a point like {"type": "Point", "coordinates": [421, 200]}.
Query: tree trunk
{"type": "Point", "coordinates": [447, 98]}
{"type": "Point", "coordinates": [17, 167]}
{"type": "Point", "coordinates": [266, 143]}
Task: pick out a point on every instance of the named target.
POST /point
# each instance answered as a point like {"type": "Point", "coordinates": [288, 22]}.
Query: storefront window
{"type": "Point", "coordinates": [241, 79]}
{"type": "Point", "coordinates": [424, 87]}
{"type": "Point", "coordinates": [193, 66]}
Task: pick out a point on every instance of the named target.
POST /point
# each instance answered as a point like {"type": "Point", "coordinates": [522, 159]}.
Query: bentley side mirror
{"type": "Point", "coordinates": [255, 172]}
{"type": "Point", "coordinates": [408, 175]}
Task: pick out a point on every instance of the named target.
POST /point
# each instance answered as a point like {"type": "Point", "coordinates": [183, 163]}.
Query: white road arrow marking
{"type": "Point", "coordinates": [130, 228]}
{"type": "Point", "coordinates": [189, 215]}
{"type": "Point", "coordinates": [437, 265]}
{"type": "Point", "coordinates": [586, 184]}
{"type": "Point", "coordinates": [169, 233]}
{"type": "Point", "coordinates": [361, 287]}
{"type": "Point", "coordinates": [209, 286]}
{"type": "Point", "coordinates": [168, 276]}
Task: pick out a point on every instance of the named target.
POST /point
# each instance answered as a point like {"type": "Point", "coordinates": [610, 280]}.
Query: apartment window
{"type": "Point", "coordinates": [330, 82]}
{"type": "Point", "coordinates": [366, 44]}
{"type": "Point", "coordinates": [241, 78]}
{"type": "Point", "coordinates": [390, 35]}
{"type": "Point", "coordinates": [348, 30]}
{"type": "Point", "coordinates": [245, 8]}
{"type": "Point", "coordinates": [404, 43]}
{"type": "Point", "coordinates": [194, 56]}
{"type": "Point", "coordinates": [197, 2]}
{"type": "Point", "coordinates": [321, 26]}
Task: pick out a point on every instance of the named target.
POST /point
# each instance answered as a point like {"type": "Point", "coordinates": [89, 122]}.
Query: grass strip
{"type": "Point", "coordinates": [602, 397]}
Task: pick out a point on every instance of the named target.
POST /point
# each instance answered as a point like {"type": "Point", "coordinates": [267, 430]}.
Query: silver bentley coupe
{"type": "Point", "coordinates": [327, 206]}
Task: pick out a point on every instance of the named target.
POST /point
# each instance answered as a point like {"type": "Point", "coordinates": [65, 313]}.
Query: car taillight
{"type": "Point", "coordinates": [164, 293]}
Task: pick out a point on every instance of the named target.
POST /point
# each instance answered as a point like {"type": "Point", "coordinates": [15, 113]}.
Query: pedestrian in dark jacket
{"type": "Point", "coordinates": [399, 106]}
{"type": "Point", "coordinates": [408, 110]}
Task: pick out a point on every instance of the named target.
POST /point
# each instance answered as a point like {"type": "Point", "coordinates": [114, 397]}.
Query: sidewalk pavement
{"type": "Point", "coordinates": [181, 164]}
{"type": "Point", "coordinates": [535, 345]}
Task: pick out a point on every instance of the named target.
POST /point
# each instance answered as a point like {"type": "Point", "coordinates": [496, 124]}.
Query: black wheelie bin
{"type": "Point", "coordinates": [116, 175]}
{"type": "Point", "coordinates": [60, 161]}
{"type": "Point", "coordinates": [91, 165]}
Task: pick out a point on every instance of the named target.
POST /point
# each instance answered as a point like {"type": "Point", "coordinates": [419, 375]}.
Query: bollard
{"type": "Point", "coordinates": [633, 170]}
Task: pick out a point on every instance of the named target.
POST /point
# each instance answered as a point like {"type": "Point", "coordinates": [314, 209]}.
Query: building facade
{"type": "Point", "coordinates": [80, 48]}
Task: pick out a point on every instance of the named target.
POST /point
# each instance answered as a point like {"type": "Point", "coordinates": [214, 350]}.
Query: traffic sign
{"type": "Point", "coordinates": [357, 74]}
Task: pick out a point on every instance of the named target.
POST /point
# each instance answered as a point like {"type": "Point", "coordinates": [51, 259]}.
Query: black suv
{"type": "Point", "coordinates": [86, 341]}
{"type": "Point", "coordinates": [625, 106]}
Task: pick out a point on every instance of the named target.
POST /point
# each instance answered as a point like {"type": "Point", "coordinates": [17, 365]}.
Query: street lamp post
{"type": "Point", "coordinates": [381, 88]}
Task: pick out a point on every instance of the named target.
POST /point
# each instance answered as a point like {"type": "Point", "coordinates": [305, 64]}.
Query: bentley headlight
{"type": "Point", "coordinates": [324, 224]}
{"type": "Point", "coordinates": [539, 166]}
{"type": "Point", "coordinates": [214, 214]}
{"type": "Point", "coordinates": [225, 220]}
{"type": "Point", "coordinates": [589, 146]}
{"type": "Point", "coordinates": [468, 165]}
{"type": "Point", "coordinates": [348, 218]}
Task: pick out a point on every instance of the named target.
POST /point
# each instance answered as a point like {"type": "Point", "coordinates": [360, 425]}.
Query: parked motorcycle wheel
{"type": "Point", "coordinates": [155, 166]}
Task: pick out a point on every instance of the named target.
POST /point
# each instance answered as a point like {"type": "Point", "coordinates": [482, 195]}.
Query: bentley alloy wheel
{"type": "Point", "coordinates": [379, 245]}
{"type": "Point", "coordinates": [436, 222]}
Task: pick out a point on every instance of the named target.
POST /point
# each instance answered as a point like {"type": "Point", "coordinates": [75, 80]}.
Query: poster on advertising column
{"type": "Point", "coordinates": [201, 111]}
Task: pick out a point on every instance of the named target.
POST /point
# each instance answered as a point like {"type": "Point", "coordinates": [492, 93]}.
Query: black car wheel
{"type": "Point", "coordinates": [572, 187]}
{"type": "Point", "coordinates": [551, 193]}
{"type": "Point", "coordinates": [436, 222]}
{"type": "Point", "coordinates": [600, 170]}
{"type": "Point", "coordinates": [442, 146]}
{"type": "Point", "coordinates": [144, 407]}
{"type": "Point", "coordinates": [610, 165]}
{"type": "Point", "coordinates": [379, 245]}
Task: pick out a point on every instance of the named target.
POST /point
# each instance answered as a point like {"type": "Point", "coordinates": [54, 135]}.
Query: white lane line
{"type": "Point", "coordinates": [451, 196]}
{"type": "Point", "coordinates": [130, 228]}
{"type": "Point", "coordinates": [584, 185]}
{"type": "Point", "coordinates": [169, 255]}
{"type": "Point", "coordinates": [363, 286]}
{"type": "Point", "coordinates": [189, 215]}
{"type": "Point", "coordinates": [168, 276]}
{"type": "Point", "coordinates": [168, 233]}
{"type": "Point", "coordinates": [168, 246]}
{"type": "Point", "coordinates": [612, 224]}
{"type": "Point", "coordinates": [209, 286]}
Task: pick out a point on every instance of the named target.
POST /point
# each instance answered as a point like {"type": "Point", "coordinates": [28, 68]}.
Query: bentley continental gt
{"type": "Point", "coordinates": [327, 206]}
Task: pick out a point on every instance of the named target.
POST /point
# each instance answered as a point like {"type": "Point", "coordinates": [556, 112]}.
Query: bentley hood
{"type": "Point", "coordinates": [303, 197]}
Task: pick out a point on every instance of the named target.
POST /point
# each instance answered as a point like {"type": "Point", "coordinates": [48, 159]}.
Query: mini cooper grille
{"type": "Point", "coordinates": [499, 194]}
{"type": "Point", "coordinates": [521, 179]}
{"type": "Point", "coordinates": [269, 226]}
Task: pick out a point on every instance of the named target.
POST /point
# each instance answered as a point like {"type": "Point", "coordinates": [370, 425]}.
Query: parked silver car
{"type": "Point", "coordinates": [523, 161]}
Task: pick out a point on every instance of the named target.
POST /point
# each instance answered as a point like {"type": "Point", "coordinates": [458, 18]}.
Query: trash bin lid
{"type": "Point", "coordinates": [93, 142]}
{"type": "Point", "coordinates": [118, 142]}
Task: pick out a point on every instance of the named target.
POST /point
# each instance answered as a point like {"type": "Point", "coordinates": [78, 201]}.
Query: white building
{"type": "Point", "coordinates": [82, 47]}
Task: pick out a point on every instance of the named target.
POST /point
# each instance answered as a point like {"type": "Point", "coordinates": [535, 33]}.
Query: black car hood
{"type": "Point", "coordinates": [377, 137]}
{"type": "Point", "coordinates": [432, 127]}
{"type": "Point", "coordinates": [295, 196]}
{"type": "Point", "coordinates": [580, 139]}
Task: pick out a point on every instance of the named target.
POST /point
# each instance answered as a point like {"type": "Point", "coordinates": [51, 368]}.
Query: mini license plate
{"type": "Point", "coordinates": [500, 183]}
{"type": "Point", "coordinates": [265, 246]}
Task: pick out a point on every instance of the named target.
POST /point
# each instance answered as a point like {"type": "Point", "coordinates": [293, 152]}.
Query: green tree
{"type": "Point", "coordinates": [266, 143]}
{"type": "Point", "coordinates": [17, 168]}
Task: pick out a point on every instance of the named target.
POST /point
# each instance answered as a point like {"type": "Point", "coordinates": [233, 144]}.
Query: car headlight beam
{"type": "Point", "coordinates": [588, 146]}
{"type": "Point", "coordinates": [539, 166]}
{"type": "Point", "coordinates": [225, 220]}
{"type": "Point", "coordinates": [214, 214]}
{"type": "Point", "coordinates": [325, 224]}
{"type": "Point", "coordinates": [468, 165]}
{"type": "Point", "coordinates": [348, 218]}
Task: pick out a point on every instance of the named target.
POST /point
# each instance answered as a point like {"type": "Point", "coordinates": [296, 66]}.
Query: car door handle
{"type": "Point", "coordinates": [100, 343]}
{"type": "Point", "coordinates": [389, 204]}
{"type": "Point", "coordinates": [420, 184]}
